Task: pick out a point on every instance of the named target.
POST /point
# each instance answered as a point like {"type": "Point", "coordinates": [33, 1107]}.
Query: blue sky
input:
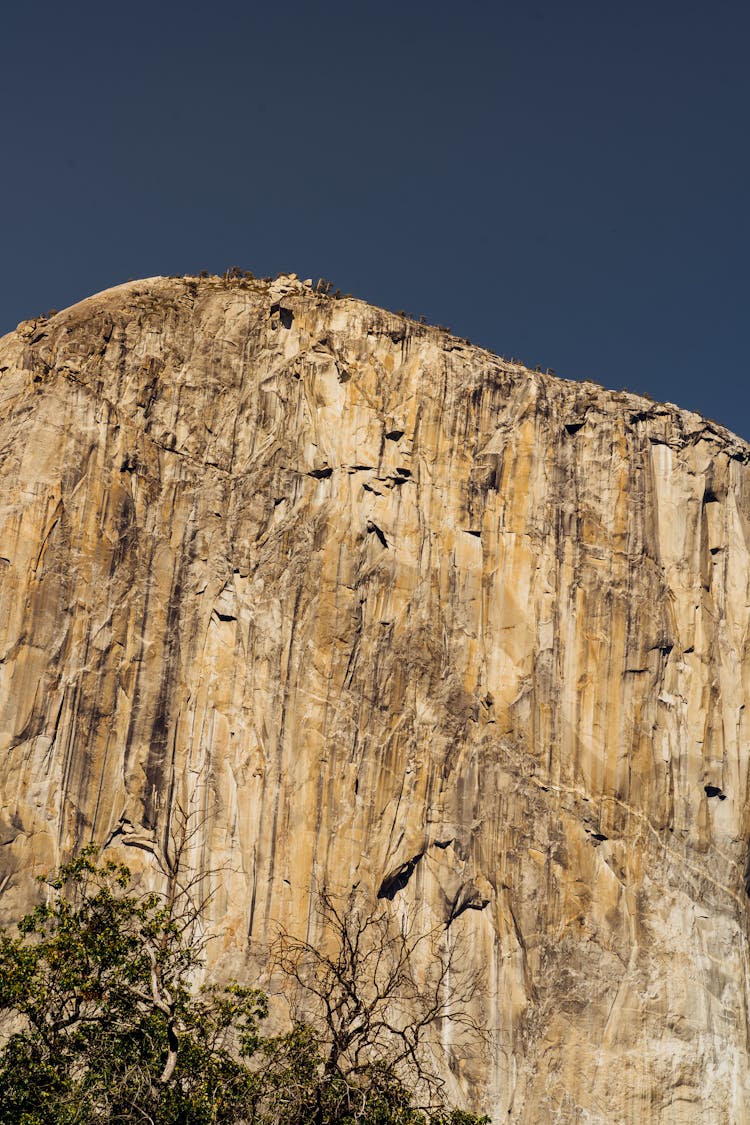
{"type": "Point", "coordinates": [563, 183]}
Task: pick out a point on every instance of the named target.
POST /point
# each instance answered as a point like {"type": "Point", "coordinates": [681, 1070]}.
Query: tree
{"type": "Point", "coordinates": [111, 1028]}
{"type": "Point", "coordinates": [375, 992]}
{"type": "Point", "coordinates": [112, 1031]}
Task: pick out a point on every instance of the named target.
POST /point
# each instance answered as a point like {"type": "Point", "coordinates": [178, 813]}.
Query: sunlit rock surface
{"type": "Point", "coordinates": [377, 607]}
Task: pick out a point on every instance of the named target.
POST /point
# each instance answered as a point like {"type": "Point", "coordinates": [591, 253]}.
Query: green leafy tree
{"type": "Point", "coordinates": [111, 1029]}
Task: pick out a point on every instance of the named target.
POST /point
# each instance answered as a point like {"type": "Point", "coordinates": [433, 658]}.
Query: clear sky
{"type": "Point", "coordinates": [566, 183]}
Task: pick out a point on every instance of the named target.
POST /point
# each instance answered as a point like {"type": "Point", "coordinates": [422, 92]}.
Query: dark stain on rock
{"type": "Point", "coordinates": [159, 740]}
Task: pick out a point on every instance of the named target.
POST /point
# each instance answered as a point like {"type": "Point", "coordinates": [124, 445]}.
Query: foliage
{"type": "Point", "coordinates": [101, 977]}
{"type": "Point", "coordinates": [236, 273]}
{"type": "Point", "coordinates": [110, 1029]}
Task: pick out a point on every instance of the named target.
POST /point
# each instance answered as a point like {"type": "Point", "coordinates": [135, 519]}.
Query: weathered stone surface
{"type": "Point", "coordinates": [378, 607]}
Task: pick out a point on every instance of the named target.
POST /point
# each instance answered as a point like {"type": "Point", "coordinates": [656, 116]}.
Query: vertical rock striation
{"type": "Point", "coordinates": [372, 606]}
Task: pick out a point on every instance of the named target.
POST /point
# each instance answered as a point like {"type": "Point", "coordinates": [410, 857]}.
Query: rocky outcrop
{"type": "Point", "coordinates": [374, 607]}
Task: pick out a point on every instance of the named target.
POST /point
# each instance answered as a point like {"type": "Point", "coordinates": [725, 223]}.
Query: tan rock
{"type": "Point", "coordinates": [379, 608]}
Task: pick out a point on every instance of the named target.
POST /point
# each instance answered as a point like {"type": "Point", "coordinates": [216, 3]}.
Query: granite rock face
{"type": "Point", "coordinates": [374, 607]}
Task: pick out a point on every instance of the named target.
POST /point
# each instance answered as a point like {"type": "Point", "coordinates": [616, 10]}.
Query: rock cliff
{"type": "Point", "coordinates": [372, 606]}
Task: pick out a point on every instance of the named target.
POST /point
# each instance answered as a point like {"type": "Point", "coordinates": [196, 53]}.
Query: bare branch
{"type": "Point", "coordinates": [378, 990]}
